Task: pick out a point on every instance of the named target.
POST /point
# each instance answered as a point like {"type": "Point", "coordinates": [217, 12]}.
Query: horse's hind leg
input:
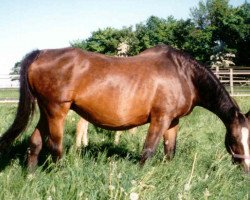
{"type": "Point", "coordinates": [155, 132]}
{"type": "Point", "coordinates": [35, 147]}
{"type": "Point", "coordinates": [169, 140]}
{"type": "Point", "coordinates": [36, 141]}
{"type": "Point", "coordinates": [56, 114]}
{"type": "Point", "coordinates": [50, 127]}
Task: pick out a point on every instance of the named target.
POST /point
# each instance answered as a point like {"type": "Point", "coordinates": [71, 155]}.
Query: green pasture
{"type": "Point", "coordinates": [13, 93]}
{"type": "Point", "coordinates": [9, 93]}
{"type": "Point", "coordinates": [201, 169]}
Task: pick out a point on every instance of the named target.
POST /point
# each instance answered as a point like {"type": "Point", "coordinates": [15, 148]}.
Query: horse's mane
{"type": "Point", "coordinates": [214, 95]}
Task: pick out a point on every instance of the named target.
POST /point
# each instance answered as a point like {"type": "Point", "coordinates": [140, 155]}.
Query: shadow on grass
{"type": "Point", "coordinates": [119, 151]}
{"type": "Point", "coordinates": [18, 152]}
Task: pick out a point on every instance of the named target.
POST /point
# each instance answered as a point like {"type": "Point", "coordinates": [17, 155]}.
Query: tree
{"type": "Point", "coordinates": [106, 40]}
{"type": "Point", "coordinates": [15, 71]}
{"type": "Point", "coordinates": [181, 34]}
{"type": "Point", "coordinates": [215, 27]}
{"type": "Point", "coordinates": [155, 31]}
{"type": "Point", "coordinates": [229, 27]}
{"type": "Point", "coordinates": [242, 42]}
{"type": "Point", "coordinates": [222, 60]}
{"type": "Point", "coordinates": [199, 44]}
{"type": "Point", "coordinates": [200, 16]}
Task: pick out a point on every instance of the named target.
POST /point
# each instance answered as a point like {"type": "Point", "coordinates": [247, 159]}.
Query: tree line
{"type": "Point", "coordinates": [214, 27]}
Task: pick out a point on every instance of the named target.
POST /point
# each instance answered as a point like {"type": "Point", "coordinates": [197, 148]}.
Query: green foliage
{"type": "Point", "coordinates": [228, 26]}
{"type": "Point", "coordinates": [106, 41]}
{"type": "Point", "coordinates": [214, 27]}
{"type": "Point", "coordinates": [106, 171]}
{"type": "Point", "coordinates": [15, 71]}
{"type": "Point", "coordinates": [200, 15]}
{"type": "Point", "coordinates": [199, 44]}
{"type": "Point", "coordinates": [155, 31]}
{"type": "Point", "coordinates": [242, 43]}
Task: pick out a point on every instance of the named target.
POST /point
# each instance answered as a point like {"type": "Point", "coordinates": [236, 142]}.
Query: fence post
{"type": "Point", "coordinates": [217, 70]}
{"type": "Point", "coordinates": [231, 81]}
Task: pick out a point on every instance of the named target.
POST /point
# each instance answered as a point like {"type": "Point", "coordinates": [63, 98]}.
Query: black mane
{"type": "Point", "coordinates": [212, 94]}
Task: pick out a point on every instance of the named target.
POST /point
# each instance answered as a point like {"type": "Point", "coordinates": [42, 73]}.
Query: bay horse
{"type": "Point", "coordinates": [158, 86]}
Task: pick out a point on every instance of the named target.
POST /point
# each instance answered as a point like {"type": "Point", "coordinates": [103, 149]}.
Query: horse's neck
{"type": "Point", "coordinates": [213, 96]}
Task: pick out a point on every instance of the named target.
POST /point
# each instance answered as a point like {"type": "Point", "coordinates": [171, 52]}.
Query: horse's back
{"type": "Point", "coordinates": [109, 90]}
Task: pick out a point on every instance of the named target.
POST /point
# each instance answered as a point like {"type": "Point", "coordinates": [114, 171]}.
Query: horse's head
{"type": "Point", "coordinates": [238, 139]}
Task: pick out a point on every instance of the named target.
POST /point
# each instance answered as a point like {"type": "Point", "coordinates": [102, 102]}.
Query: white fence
{"type": "Point", "coordinates": [236, 80]}
{"type": "Point", "coordinates": [5, 81]}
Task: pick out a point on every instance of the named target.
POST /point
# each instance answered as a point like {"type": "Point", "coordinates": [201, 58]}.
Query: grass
{"type": "Point", "coordinates": [10, 93]}
{"type": "Point", "coordinates": [201, 169]}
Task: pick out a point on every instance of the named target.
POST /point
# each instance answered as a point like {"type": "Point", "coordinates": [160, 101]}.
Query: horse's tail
{"type": "Point", "coordinates": [26, 105]}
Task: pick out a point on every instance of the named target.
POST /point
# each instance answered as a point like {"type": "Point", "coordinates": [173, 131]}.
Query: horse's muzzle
{"type": "Point", "coordinates": [245, 160]}
{"type": "Point", "coordinates": [246, 167]}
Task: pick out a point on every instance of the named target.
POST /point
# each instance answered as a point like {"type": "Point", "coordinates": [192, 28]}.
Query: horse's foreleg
{"type": "Point", "coordinates": [82, 133]}
{"type": "Point", "coordinates": [169, 140]}
{"type": "Point", "coordinates": [155, 132]}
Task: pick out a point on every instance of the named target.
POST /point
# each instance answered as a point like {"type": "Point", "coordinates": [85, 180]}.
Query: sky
{"type": "Point", "coordinates": [41, 24]}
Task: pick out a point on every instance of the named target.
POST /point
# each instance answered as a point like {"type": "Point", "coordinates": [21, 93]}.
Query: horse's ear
{"type": "Point", "coordinates": [233, 113]}
{"type": "Point", "coordinates": [237, 116]}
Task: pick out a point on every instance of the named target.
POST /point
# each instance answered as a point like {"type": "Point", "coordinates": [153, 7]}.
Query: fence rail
{"type": "Point", "coordinates": [236, 81]}
{"type": "Point", "coordinates": [6, 81]}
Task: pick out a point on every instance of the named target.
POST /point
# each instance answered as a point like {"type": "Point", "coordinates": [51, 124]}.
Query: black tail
{"type": "Point", "coordinates": [26, 105]}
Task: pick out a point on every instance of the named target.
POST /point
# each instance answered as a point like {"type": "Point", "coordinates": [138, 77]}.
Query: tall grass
{"type": "Point", "coordinates": [201, 169]}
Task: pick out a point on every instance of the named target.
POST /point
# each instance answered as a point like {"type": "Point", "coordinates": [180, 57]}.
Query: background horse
{"type": "Point", "coordinates": [82, 133]}
{"type": "Point", "coordinates": [158, 86]}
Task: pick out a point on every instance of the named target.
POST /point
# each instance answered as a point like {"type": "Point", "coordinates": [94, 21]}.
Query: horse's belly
{"type": "Point", "coordinates": [116, 101]}
{"type": "Point", "coordinates": [113, 115]}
